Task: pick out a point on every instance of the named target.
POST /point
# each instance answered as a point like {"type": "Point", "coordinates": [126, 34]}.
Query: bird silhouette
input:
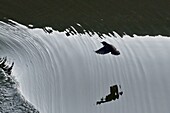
{"type": "Point", "coordinates": [107, 48]}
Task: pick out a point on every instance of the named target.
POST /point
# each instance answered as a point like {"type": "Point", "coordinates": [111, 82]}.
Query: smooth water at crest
{"type": "Point", "coordinates": [142, 17]}
{"type": "Point", "coordinates": [60, 74]}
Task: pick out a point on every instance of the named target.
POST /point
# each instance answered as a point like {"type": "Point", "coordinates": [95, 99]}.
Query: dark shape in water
{"type": "Point", "coordinates": [47, 30]}
{"type": "Point", "coordinates": [5, 67]}
{"type": "Point", "coordinates": [107, 48]}
{"type": "Point", "coordinates": [2, 61]}
{"type": "Point", "coordinates": [114, 94]}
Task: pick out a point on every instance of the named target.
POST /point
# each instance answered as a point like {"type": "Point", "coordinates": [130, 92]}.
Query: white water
{"type": "Point", "coordinates": [60, 74]}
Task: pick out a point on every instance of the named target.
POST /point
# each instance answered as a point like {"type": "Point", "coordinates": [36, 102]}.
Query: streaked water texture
{"type": "Point", "coordinates": [60, 74]}
{"type": "Point", "coordinates": [11, 100]}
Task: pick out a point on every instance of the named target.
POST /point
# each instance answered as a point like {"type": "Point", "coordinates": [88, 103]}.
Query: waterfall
{"type": "Point", "coordinates": [63, 74]}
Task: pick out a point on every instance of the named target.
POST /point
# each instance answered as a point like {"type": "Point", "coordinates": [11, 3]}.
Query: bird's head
{"type": "Point", "coordinates": [104, 43]}
{"type": "Point", "coordinates": [115, 52]}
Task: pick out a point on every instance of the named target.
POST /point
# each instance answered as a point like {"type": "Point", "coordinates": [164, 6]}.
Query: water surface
{"type": "Point", "coordinates": [102, 16]}
{"type": "Point", "coordinates": [60, 74]}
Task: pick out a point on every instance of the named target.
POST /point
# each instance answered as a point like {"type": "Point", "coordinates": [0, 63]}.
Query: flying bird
{"type": "Point", "coordinates": [107, 48]}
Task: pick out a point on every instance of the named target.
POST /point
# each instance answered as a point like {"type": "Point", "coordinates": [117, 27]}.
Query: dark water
{"type": "Point", "coordinates": [142, 17]}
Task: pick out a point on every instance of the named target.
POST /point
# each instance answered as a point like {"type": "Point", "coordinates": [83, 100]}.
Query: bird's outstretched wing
{"type": "Point", "coordinates": [102, 50]}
